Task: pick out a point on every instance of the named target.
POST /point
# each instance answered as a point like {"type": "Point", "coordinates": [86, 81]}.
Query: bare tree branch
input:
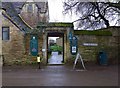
{"type": "Point", "coordinates": [94, 14]}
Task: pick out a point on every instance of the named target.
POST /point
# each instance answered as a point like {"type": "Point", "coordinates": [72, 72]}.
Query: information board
{"type": "Point", "coordinates": [34, 45]}
{"type": "Point", "coordinates": [74, 45]}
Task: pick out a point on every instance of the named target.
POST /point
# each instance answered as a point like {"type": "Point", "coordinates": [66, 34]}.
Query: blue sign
{"type": "Point", "coordinates": [74, 45]}
{"type": "Point", "coordinates": [34, 45]}
{"type": "Point", "coordinates": [70, 36]}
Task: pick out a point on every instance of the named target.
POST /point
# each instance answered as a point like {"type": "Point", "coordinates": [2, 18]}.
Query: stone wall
{"type": "Point", "coordinates": [90, 52]}
{"type": "Point", "coordinates": [16, 50]}
{"type": "Point", "coordinates": [59, 41]}
{"type": "Point", "coordinates": [109, 44]}
{"type": "Point", "coordinates": [28, 58]}
{"type": "Point", "coordinates": [56, 29]}
{"type": "Point", "coordinates": [114, 47]}
{"type": "Point", "coordinates": [12, 49]}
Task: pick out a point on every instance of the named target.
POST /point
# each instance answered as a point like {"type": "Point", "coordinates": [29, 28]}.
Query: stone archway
{"type": "Point", "coordinates": [55, 29]}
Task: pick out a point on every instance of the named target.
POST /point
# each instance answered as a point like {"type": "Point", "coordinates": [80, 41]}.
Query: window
{"type": "Point", "coordinates": [5, 33]}
{"type": "Point", "coordinates": [30, 8]}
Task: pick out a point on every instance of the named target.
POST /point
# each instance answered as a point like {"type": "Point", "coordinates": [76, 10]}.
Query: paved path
{"type": "Point", "coordinates": [60, 76]}
{"type": "Point", "coordinates": [55, 58]}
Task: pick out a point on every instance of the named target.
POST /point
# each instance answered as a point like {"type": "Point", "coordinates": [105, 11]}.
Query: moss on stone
{"type": "Point", "coordinates": [52, 24]}
{"type": "Point", "coordinates": [94, 32]}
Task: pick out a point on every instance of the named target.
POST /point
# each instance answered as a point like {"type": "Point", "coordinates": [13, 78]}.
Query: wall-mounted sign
{"type": "Point", "coordinates": [74, 45]}
{"type": "Point", "coordinates": [90, 44]}
{"type": "Point", "coordinates": [74, 49]}
{"type": "Point", "coordinates": [34, 45]}
{"type": "Point", "coordinates": [43, 50]}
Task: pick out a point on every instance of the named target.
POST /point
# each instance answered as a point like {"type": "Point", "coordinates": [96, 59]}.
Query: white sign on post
{"type": "Point", "coordinates": [73, 49]}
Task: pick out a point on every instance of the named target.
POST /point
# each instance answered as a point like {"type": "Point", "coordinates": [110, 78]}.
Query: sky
{"type": "Point", "coordinates": [52, 38]}
{"type": "Point", "coordinates": [56, 12]}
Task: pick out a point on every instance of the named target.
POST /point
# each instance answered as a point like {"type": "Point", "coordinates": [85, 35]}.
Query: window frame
{"type": "Point", "coordinates": [8, 33]}
{"type": "Point", "coordinates": [30, 8]}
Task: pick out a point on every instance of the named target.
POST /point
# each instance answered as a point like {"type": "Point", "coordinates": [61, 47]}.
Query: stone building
{"type": "Point", "coordinates": [59, 41]}
{"type": "Point", "coordinates": [24, 21]}
{"type": "Point", "coordinates": [51, 42]}
{"type": "Point", "coordinates": [26, 28]}
{"type": "Point", "coordinates": [34, 12]}
{"type": "Point", "coordinates": [18, 22]}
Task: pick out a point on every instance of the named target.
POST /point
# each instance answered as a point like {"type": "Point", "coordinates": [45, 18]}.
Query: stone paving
{"type": "Point", "coordinates": [60, 75]}
{"type": "Point", "coordinates": [55, 58]}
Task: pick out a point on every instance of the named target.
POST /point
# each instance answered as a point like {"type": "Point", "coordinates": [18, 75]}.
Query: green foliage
{"type": "Point", "coordinates": [56, 48]}
{"type": "Point", "coordinates": [94, 32]}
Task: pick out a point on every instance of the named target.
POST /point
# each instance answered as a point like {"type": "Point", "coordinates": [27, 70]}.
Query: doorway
{"type": "Point", "coordinates": [55, 48]}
